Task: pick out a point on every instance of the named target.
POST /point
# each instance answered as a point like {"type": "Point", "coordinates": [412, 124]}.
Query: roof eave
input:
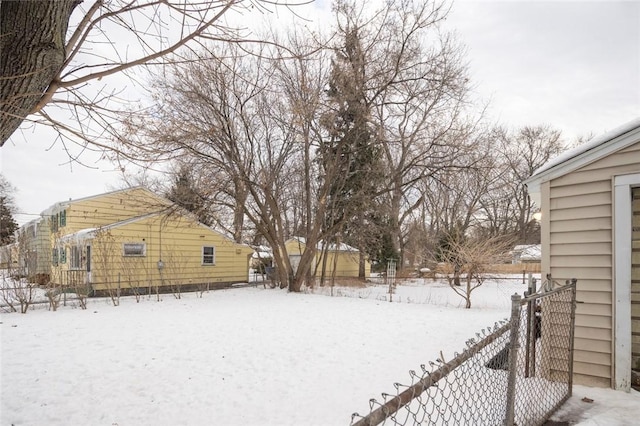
{"type": "Point", "coordinates": [618, 139]}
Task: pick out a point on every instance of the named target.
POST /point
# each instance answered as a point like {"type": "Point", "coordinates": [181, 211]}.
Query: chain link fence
{"type": "Point", "coordinates": [519, 372]}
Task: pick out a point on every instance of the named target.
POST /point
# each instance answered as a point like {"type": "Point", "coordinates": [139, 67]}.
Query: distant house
{"type": "Point", "coordinates": [526, 253]}
{"type": "Point", "coordinates": [33, 242]}
{"type": "Point", "coordinates": [343, 258]}
{"type": "Point", "coordinates": [132, 240]}
{"type": "Point", "coordinates": [28, 255]}
{"type": "Point", "coordinates": [590, 204]}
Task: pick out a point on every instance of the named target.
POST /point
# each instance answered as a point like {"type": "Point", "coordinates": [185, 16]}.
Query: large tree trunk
{"type": "Point", "coordinates": [238, 212]}
{"type": "Point", "coordinates": [32, 54]}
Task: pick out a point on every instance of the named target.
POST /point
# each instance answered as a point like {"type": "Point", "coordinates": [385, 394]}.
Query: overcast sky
{"type": "Point", "coordinates": [574, 65]}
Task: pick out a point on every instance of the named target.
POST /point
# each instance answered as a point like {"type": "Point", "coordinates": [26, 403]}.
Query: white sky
{"type": "Point", "coordinates": [574, 65]}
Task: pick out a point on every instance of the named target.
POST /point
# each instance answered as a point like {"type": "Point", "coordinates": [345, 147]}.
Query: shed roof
{"type": "Point", "coordinates": [530, 252]}
{"type": "Point", "coordinates": [331, 247]}
{"type": "Point", "coordinates": [593, 150]}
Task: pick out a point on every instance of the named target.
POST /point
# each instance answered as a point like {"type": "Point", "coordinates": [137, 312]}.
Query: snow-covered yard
{"type": "Point", "coordinates": [246, 356]}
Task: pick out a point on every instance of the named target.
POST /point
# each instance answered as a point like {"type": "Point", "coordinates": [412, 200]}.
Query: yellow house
{"type": "Point", "coordinates": [134, 241]}
{"type": "Point", "coordinates": [344, 258]}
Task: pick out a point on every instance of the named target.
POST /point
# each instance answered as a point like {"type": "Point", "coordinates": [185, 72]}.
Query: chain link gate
{"type": "Point", "coordinates": [517, 372]}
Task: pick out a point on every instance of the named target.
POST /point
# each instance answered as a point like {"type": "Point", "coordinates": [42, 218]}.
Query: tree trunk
{"type": "Point", "coordinates": [238, 213]}
{"type": "Point", "coordinates": [362, 247]}
{"type": "Point", "coordinates": [32, 54]}
{"type": "Point", "coordinates": [394, 225]}
{"type": "Point", "coordinates": [456, 276]}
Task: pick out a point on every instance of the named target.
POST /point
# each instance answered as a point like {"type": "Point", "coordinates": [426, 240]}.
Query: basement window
{"type": "Point", "coordinates": [134, 249]}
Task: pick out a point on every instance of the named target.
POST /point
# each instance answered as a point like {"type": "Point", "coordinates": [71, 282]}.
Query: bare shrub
{"type": "Point", "coordinates": [468, 262]}
{"type": "Point", "coordinates": [16, 294]}
{"type": "Point", "coordinates": [54, 295]}
{"type": "Point", "coordinates": [175, 270]}
{"type": "Point", "coordinates": [6, 294]}
{"type": "Point", "coordinates": [104, 255]}
{"type": "Point", "coordinates": [24, 295]}
{"type": "Point", "coordinates": [82, 292]}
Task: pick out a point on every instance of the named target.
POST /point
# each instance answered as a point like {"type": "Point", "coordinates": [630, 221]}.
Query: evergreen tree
{"type": "Point", "coordinates": [185, 193]}
{"type": "Point", "coordinates": [380, 247]}
{"type": "Point", "coordinates": [8, 225]}
{"type": "Point", "coordinates": [350, 156]}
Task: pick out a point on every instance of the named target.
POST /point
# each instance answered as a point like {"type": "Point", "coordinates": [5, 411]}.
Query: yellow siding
{"type": "Point", "coordinates": [294, 247]}
{"type": "Point", "coordinates": [346, 263]}
{"type": "Point", "coordinates": [579, 244]}
{"type": "Point", "coordinates": [110, 208]}
{"type": "Point", "coordinates": [132, 216]}
{"type": "Point", "coordinates": [176, 241]}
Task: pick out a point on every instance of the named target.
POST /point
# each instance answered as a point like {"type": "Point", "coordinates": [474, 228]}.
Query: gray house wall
{"type": "Point", "coordinates": [579, 244]}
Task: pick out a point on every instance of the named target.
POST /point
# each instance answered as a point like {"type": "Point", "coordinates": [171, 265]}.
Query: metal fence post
{"type": "Point", "coordinates": [572, 327]}
{"type": "Point", "coordinates": [530, 359]}
{"type": "Point", "coordinates": [513, 358]}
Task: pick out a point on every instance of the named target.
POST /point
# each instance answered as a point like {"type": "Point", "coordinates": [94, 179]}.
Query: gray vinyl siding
{"type": "Point", "coordinates": [36, 236]}
{"type": "Point", "coordinates": [580, 245]}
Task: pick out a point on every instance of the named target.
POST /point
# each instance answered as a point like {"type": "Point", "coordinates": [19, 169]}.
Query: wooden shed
{"type": "Point", "coordinates": [344, 258]}
{"type": "Point", "coordinates": [590, 204]}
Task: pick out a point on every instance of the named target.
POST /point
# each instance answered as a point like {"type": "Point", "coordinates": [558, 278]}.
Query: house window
{"type": "Point", "coordinates": [75, 259]}
{"type": "Point", "coordinates": [54, 256]}
{"type": "Point", "coordinates": [63, 254]}
{"type": "Point", "coordinates": [208, 255]}
{"type": "Point", "coordinates": [54, 222]}
{"type": "Point", "coordinates": [63, 218]}
{"type": "Point", "coordinates": [134, 249]}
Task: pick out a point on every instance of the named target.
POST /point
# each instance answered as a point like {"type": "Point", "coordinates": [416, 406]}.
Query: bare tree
{"type": "Point", "coordinates": [452, 196]}
{"type": "Point", "coordinates": [231, 123]}
{"type": "Point", "coordinates": [53, 52]}
{"type": "Point", "coordinates": [507, 206]}
{"type": "Point", "coordinates": [471, 259]}
{"type": "Point", "coordinates": [265, 126]}
{"type": "Point", "coordinates": [253, 123]}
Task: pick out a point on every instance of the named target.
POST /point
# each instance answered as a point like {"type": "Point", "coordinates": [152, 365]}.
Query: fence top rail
{"type": "Point", "coordinates": [430, 378]}
{"type": "Point", "coordinates": [545, 291]}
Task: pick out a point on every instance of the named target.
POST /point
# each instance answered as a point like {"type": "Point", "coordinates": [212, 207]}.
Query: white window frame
{"type": "Point", "coordinates": [212, 256]}
{"type": "Point", "coordinates": [138, 254]}
{"type": "Point", "coordinates": [622, 251]}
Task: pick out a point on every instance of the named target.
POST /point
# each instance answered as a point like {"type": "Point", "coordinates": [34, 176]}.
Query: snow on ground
{"type": "Point", "coordinates": [600, 407]}
{"type": "Point", "coordinates": [246, 356]}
